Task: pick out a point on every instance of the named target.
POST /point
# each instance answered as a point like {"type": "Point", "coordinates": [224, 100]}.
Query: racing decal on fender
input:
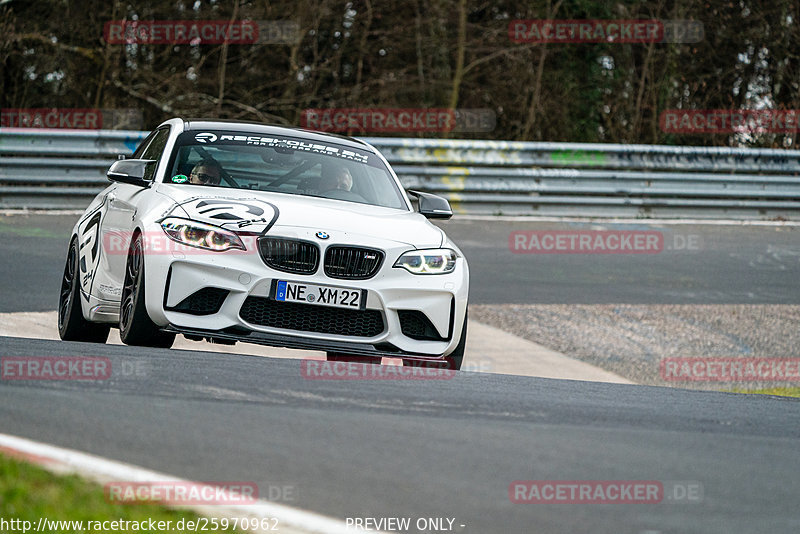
{"type": "Point", "coordinates": [227, 210]}
{"type": "Point", "coordinates": [88, 252]}
{"type": "Point", "coordinates": [248, 214]}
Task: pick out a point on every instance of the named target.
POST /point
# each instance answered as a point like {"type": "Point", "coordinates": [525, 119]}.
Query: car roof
{"type": "Point", "coordinates": [271, 129]}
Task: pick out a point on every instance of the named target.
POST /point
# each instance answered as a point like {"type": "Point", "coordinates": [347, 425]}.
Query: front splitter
{"type": "Point", "coordinates": [293, 342]}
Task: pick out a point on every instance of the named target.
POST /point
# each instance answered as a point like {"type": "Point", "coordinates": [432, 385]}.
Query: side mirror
{"type": "Point", "coordinates": [130, 171]}
{"type": "Point", "coordinates": [432, 206]}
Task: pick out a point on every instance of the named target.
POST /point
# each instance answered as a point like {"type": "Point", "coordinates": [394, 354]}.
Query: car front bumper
{"type": "Point", "coordinates": [441, 298]}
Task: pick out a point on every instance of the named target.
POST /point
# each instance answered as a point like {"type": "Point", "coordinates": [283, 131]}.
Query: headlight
{"type": "Point", "coordinates": [429, 261]}
{"type": "Point", "coordinates": [201, 235]}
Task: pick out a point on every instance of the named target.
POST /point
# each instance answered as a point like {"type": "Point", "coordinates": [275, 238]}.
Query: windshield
{"type": "Point", "coordinates": [282, 164]}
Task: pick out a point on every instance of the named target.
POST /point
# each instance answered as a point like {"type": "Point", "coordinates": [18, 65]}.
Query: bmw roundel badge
{"type": "Point", "coordinates": [322, 235]}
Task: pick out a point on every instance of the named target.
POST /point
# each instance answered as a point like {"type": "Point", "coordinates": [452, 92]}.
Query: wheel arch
{"type": "Point", "coordinates": [84, 297]}
{"type": "Point", "coordinates": [154, 287]}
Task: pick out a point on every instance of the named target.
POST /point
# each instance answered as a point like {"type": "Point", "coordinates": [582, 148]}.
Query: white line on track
{"type": "Point", "coordinates": [59, 460]}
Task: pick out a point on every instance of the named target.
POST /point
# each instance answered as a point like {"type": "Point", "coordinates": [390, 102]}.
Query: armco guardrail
{"type": "Point", "coordinates": [64, 169]}
{"type": "Point", "coordinates": [58, 169]}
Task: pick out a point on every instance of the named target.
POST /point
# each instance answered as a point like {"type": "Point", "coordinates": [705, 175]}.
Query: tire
{"type": "Point", "coordinates": [72, 326]}
{"type": "Point", "coordinates": [451, 361]}
{"type": "Point", "coordinates": [135, 326]}
{"type": "Point", "coordinates": [341, 357]}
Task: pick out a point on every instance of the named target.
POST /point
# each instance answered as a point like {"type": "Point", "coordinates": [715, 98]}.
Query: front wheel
{"type": "Point", "coordinates": [72, 326]}
{"type": "Point", "coordinates": [135, 326]}
{"type": "Point", "coordinates": [451, 361]}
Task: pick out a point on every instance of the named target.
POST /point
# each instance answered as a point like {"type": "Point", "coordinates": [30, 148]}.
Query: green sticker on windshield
{"type": "Point", "coordinates": [180, 179]}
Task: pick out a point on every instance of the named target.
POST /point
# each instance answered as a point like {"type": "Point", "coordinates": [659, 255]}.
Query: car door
{"type": "Point", "coordinates": [92, 251]}
{"type": "Point", "coordinates": [121, 205]}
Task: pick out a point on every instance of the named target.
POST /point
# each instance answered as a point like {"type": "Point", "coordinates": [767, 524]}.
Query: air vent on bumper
{"type": "Point", "coordinates": [204, 301]}
{"type": "Point", "coordinates": [416, 325]}
{"type": "Point", "coordinates": [312, 318]}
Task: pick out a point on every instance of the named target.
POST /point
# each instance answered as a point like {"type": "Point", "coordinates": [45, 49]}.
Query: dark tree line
{"type": "Point", "coordinates": [412, 54]}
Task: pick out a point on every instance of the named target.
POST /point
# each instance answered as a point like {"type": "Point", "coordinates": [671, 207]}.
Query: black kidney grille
{"type": "Point", "coordinates": [289, 255]}
{"type": "Point", "coordinates": [352, 263]}
{"type": "Point", "coordinates": [311, 318]}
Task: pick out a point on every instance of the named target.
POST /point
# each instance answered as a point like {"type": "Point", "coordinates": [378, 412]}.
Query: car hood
{"type": "Point", "coordinates": [257, 211]}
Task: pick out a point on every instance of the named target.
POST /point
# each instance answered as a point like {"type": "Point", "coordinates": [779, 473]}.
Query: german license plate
{"type": "Point", "coordinates": [339, 297]}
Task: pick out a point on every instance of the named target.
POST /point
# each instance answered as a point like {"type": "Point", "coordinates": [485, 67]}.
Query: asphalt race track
{"type": "Point", "coordinates": [441, 448]}
{"type": "Point", "coordinates": [424, 448]}
{"type": "Point", "coordinates": [725, 264]}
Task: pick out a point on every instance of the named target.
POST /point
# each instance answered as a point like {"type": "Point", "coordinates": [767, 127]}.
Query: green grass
{"type": "Point", "coordinates": [28, 492]}
{"type": "Point", "coordinates": [784, 392]}
{"type": "Point", "coordinates": [29, 231]}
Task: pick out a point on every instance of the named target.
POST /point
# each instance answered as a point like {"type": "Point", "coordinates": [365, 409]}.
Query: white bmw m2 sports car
{"type": "Point", "coordinates": [231, 231]}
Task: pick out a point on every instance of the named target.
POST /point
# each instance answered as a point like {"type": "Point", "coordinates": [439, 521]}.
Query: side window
{"type": "Point", "coordinates": [139, 149]}
{"type": "Point", "coordinates": [154, 151]}
{"type": "Point", "coordinates": [156, 146]}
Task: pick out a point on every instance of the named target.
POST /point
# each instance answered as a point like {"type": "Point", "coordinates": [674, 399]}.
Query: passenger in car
{"type": "Point", "coordinates": [206, 172]}
{"type": "Point", "coordinates": [336, 176]}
